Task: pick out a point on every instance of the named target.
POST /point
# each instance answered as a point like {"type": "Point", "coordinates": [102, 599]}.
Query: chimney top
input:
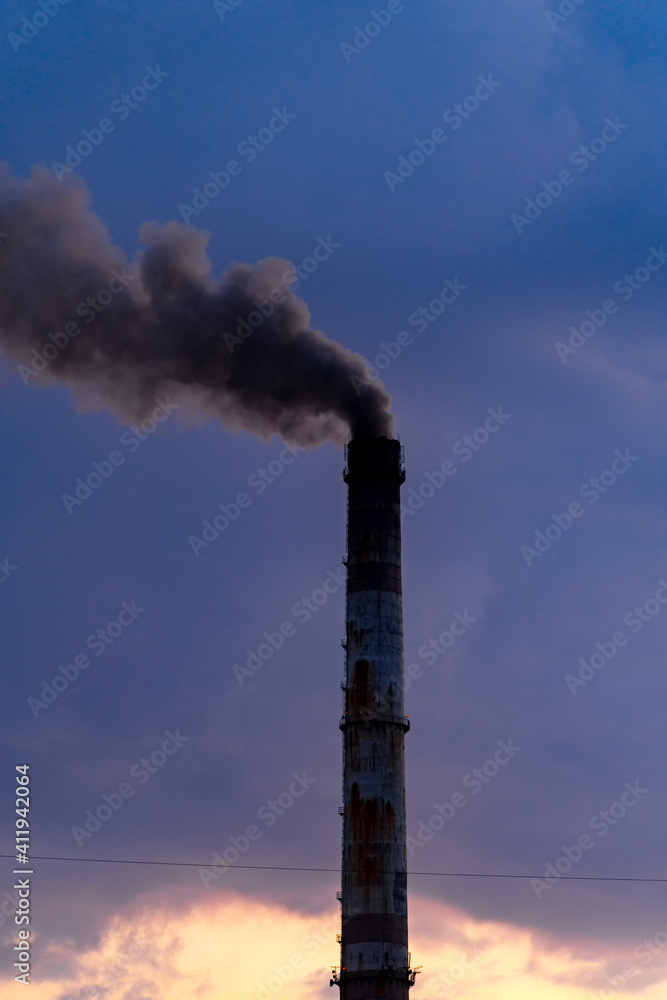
{"type": "Point", "coordinates": [378, 457]}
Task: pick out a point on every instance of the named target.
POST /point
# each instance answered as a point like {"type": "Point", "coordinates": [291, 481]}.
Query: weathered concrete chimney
{"type": "Point", "coordinates": [375, 962]}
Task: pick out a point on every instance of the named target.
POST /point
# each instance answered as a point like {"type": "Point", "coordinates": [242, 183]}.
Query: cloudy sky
{"type": "Point", "coordinates": [503, 160]}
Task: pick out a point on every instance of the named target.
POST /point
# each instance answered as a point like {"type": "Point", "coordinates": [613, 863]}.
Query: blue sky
{"type": "Point", "coordinates": [494, 347]}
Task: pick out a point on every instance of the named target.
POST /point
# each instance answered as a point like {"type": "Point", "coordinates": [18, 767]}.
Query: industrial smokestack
{"type": "Point", "coordinates": [375, 962]}
{"type": "Point", "coordinates": [241, 348]}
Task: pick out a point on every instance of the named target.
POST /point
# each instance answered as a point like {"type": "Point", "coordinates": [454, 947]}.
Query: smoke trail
{"type": "Point", "coordinates": [170, 327]}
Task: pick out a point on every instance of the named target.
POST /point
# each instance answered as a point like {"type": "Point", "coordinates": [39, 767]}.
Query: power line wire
{"type": "Point", "coordinates": [284, 868]}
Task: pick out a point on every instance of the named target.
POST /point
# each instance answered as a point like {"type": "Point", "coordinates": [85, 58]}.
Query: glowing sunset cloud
{"type": "Point", "coordinates": [236, 948]}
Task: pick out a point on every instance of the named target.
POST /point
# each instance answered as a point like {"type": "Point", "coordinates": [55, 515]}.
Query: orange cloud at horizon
{"type": "Point", "coordinates": [231, 947]}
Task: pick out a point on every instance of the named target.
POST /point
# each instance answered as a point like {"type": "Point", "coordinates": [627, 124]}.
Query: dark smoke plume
{"type": "Point", "coordinates": [169, 328]}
